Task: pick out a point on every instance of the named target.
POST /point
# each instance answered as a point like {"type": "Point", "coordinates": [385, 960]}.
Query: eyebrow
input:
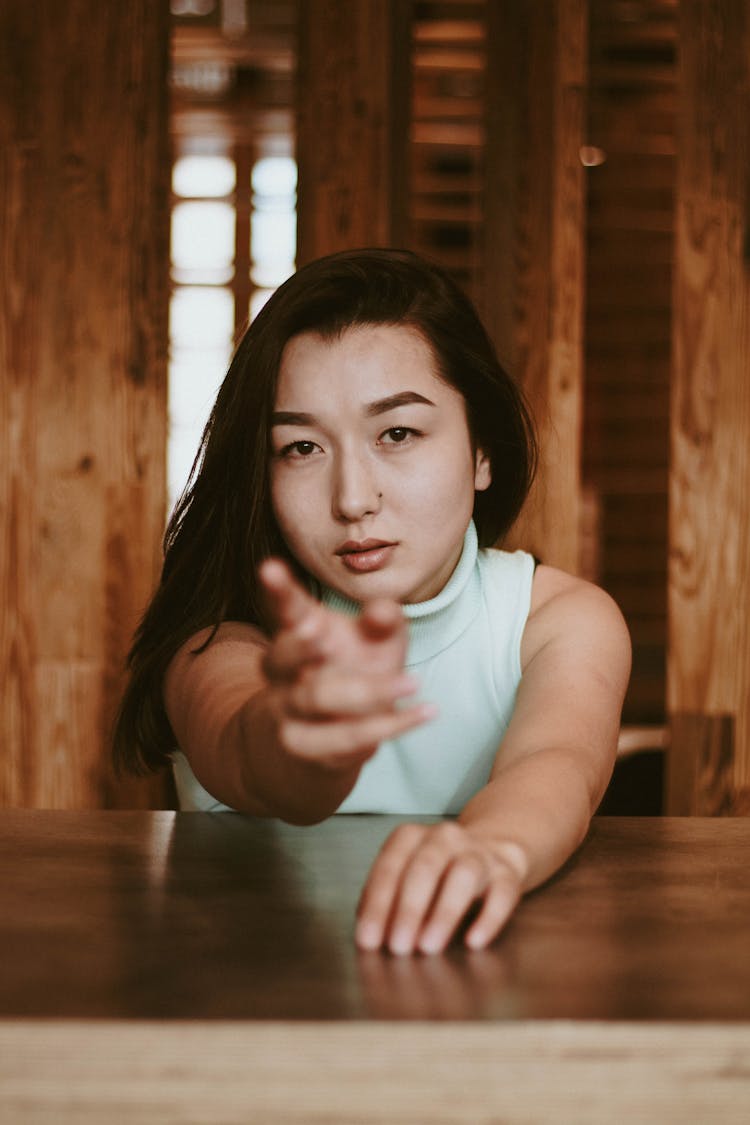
{"type": "Point", "coordinates": [372, 409]}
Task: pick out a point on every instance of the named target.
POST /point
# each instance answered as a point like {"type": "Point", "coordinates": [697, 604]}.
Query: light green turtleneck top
{"type": "Point", "coordinates": [464, 647]}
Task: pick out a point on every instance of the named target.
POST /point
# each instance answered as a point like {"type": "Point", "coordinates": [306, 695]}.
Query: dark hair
{"type": "Point", "coordinates": [223, 525]}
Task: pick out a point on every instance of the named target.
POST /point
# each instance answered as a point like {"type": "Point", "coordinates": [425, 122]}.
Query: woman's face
{"type": "Point", "coordinates": [373, 474]}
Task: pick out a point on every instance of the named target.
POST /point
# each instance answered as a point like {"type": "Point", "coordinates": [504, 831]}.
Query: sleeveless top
{"type": "Point", "coordinates": [465, 649]}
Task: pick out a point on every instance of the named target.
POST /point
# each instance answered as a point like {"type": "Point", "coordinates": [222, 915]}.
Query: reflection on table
{"type": "Point", "coordinates": [151, 925]}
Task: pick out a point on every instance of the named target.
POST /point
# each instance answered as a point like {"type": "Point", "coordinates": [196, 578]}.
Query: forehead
{"type": "Point", "coordinates": [362, 359]}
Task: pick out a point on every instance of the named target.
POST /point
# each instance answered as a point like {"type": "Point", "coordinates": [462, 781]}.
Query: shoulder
{"type": "Point", "coordinates": [507, 576]}
{"type": "Point", "coordinates": [575, 616]}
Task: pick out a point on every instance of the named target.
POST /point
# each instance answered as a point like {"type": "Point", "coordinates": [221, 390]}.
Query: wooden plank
{"type": "Point", "coordinates": [160, 1071]}
{"type": "Point", "coordinates": [709, 574]}
{"type": "Point", "coordinates": [700, 772]}
{"type": "Point", "coordinates": [535, 222]}
{"type": "Point", "coordinates": [351, 128]}
{"type": "Point", "coordinates": [21, 313]}
{"type": "Point", "coordinates": [84, 226]}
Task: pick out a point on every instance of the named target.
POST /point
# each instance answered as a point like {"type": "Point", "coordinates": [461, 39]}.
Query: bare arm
{"type": "Point", "coordinates": [551, 771]}
{"type": "Point", "coordinates": [282, 727]}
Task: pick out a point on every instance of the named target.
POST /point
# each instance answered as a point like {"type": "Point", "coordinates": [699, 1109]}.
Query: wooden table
{"type": "Point", "coordinates": [159, 967]}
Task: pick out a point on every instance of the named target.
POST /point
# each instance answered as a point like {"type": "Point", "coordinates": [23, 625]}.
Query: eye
{"type": "Point", "coordinates": [398, 435]}
{"type": "Point", "coordinates": [298, 449]}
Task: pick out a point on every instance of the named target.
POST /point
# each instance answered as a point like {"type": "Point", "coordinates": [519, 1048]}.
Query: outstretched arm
{"type": "Point", "coordinates": [282, 727]}
{"type": "Point", "coordinates": [550, 774]}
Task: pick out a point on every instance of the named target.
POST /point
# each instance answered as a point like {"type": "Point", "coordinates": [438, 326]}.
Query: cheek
{"type": "Point", "coordinates": [282, 499]}
{"type": "Point", "coordinates": [294, 499]}
{"type": "Point", "coordinates": [448, 478]}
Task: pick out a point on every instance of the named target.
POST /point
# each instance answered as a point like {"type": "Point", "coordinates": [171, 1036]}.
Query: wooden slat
{"type": "Point", "coordinates": [83, 226]}
{"type": "Point", "coordinates": [709, 577]}
{"type": "Point", "coordinates": [352, 73]}
{"type": "Point", "coordinates": [535, 220]}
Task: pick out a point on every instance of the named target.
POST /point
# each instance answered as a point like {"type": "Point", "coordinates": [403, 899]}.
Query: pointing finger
{"type": "Point", "coordinates": [289, 603]}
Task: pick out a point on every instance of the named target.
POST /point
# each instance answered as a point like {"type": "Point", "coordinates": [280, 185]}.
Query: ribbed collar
{"type": "Point", "coordinates": [437, 623]}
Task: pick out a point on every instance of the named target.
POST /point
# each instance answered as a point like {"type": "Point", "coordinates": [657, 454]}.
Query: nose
{"type": "Point", "coordinates": [355, 489]}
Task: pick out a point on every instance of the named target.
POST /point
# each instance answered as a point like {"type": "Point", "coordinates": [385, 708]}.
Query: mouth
{"type": "Point", "coordinates": [365, 555]}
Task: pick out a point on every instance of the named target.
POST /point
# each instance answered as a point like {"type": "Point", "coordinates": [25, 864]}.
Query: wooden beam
{"type": "Point", "coordinates": [534, 281]}
{"type": "Point", "coordinates": [84, 225]}
{"type": "Point", "coordinates": [709, 573]}
{"type": "Point", "coordinates": [352, 125]}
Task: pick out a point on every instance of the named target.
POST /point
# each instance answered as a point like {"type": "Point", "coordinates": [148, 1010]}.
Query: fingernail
{"type": "Point", "coordinates": [405, 685]}
{"type": "Point", "coordinates": [400, 942]}
{"type": "Point", "coordinates": [430, 942]}
{"type": "Point", "coordinates": [367, 935]}
{"type": "Point", "coordinates": [476, 940]}
{"type": "Point", "coordinates": [429, 710]}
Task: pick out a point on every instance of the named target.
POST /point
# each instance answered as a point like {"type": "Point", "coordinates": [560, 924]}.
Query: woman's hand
{"type": "Point", "coordinates": [428, 878]}
{"type": "Point", "coordinates": [336, 680]}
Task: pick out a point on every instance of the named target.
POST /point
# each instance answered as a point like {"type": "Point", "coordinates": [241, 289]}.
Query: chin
{"type": "Point", "coordinates": [370, 586]}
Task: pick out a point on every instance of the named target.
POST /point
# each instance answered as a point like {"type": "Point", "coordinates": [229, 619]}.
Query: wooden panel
{"type": "Point", "coordinates": [535, 220]}
{"type": "Point", "coordinates": [83, 226]}
{"type": "Point", "coordinates": [629, 249]}
{"type": "Point", "coordinates": [700, 771]}
{"type": "Point", "coordinates": [351, 137]}
{"type": "Point", "coordinates": [148, 1072]}
{"type": "Point", "coordinates": [709, 574]}
{"type": "Point", "coordinates": [448, 137]}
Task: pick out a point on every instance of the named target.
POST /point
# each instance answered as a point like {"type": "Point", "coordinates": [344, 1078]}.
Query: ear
{"type": "Point", "coordinates": [482, 471]}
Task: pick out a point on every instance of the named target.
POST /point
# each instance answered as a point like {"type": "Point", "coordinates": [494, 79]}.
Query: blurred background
{"type": "Point", "coordinates": [582, 167]}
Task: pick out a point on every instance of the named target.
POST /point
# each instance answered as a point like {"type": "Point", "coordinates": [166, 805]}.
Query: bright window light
{"type": "Point", "coordinates": [274, 244]}
{"type": "Point", "coordinates": [203, 240]}
{"type": "Point", "coordinates": [204, 177]}
{"type": "Point", "coordinates": [195, 378]}
{"type": "Point", "coordinates": [201, 317]}
{"type": "Point", "coordinates": [202, 314]}
{"type": "Point", "coordinates": [273, 224]}
{"type": "Point", "coordinates": [275, 176]}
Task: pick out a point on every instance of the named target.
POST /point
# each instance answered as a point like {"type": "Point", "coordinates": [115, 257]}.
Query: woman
{"type": "Point", "coordinates": [332, 632]}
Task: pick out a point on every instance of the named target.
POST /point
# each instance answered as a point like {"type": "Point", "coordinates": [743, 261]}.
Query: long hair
{"type": "Point", "coordinates": [223, 525]}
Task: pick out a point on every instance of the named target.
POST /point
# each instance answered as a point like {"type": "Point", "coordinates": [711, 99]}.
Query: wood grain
{"type": "Point", "coordinates": [352, 120]}
{"type": "Point", "coordinates": [709, 573]}
{"type": "Point", "coordinates": [83, 230]}
{"type": "Point", "coordinates": [161, 1073]}
{"type": "Point", "coordinates": [535, 222]}
{"type": "Point", "coordinates": [136, 915]}
{"type": "Point", "coordinates": [629, 250]}
{"type": "Point", "coordinates": [161, 967]}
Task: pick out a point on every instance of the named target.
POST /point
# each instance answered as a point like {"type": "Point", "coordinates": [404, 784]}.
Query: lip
{"type": "Point", "coordinates": [356, 546]}
{"type": "Point", "coordinates": [365, 555]}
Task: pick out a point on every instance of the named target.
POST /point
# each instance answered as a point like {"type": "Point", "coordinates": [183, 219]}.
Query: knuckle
{"type": "Point", "coordinates": [469, 869]}
{"type": "Point", "coordinates": [448, 835]}
{"type": "Point", "coordinates": [406, 836]}
{"type": "Point", "coordinates": [309, 695]}
{"type": "Point", "coordinates": [287, 735]}
{"type": "Point", "coordinates": [308, 692]}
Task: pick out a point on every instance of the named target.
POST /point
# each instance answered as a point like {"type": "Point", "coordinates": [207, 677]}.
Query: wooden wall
{"type": "Point", "coordinates": [631, 129]}
{"type": "Point", "coordinates": [351, 143]}
{"type": "Point", "coordinates": [533, 298]}
{"type": "Point", "coordinates": [83, 229]}
{"type": "Point", "coordinates": [709, 575]}
{"type": "Point", "coordinates": [567, 265]}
